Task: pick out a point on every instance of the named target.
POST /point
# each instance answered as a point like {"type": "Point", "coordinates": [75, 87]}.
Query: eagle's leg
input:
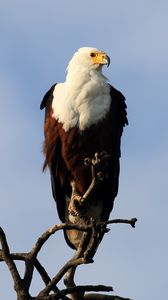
{"type": "Point", "coordinates": [74, 203]}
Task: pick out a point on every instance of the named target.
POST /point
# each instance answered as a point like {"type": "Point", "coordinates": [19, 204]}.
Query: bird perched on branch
{"type": "Point", "coordinates": [84, 120]}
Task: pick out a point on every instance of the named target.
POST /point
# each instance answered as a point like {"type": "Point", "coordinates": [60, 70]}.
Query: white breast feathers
{"type": "Point", "coordinates": [81, 101]}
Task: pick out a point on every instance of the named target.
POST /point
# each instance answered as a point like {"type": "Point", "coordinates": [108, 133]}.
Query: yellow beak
{"type": "Point", "coordinates": [101, 58]}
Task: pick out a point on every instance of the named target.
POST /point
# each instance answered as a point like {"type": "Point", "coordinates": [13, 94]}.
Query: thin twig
{"type": "Point", "coordinates": [124, 221]}
{"type": "Point", "coordinates": [71, 263]}
{"type": "Point", "coordinates": [29, 268]}
{"type": "Point", "coordinates": [94, 241]}
{"type": "Point", "coordinates": [18, 282]}
{"type": "Point", "coordinates": [81, 289]}
{"type": "Point", "coordinates": [64, 226]}
{"type": "Point", "coordinates": [92, 296]}
{"type": "Point", "coordinates": [44, 275]}
{"type": "Point", "coordinates": [15, 256]}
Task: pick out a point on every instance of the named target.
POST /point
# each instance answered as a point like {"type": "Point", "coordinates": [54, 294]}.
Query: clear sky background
{"type": "Point", "coordinates": [37, 40]}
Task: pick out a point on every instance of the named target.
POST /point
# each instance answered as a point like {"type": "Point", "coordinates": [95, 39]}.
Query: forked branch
{"type": "Point", "coordinates": [22, 285]}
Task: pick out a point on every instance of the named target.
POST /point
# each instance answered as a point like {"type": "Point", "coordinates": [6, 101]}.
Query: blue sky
{"type": "Point", "coordinates": [37, 40]}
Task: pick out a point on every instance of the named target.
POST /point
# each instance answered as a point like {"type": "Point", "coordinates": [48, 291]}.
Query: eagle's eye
{"type": "Point", "coordinates": [92, 54]}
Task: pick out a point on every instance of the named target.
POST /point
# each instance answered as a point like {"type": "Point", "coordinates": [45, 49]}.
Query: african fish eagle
{"type": "Point", "coordinates": [83, 115]}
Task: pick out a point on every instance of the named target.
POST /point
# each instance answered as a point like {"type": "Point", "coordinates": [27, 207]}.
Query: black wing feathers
{"type": "Point", "coordinates": [47, 99]}
{"type": "Point", "coordinates": [119, 118]}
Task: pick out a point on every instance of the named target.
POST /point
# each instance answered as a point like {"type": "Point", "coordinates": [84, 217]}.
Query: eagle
{"type": "Point", "coordinates": [84, 117]}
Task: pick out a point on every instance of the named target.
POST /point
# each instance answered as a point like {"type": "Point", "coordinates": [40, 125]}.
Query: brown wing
{"type": "Point", "coordinates": [52, 152]}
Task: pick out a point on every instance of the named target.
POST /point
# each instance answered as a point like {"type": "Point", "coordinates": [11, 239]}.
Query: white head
{"type": "Point", "coordinates": [84, 98]}
{"type": "Point", "coordinates": [87, 59]}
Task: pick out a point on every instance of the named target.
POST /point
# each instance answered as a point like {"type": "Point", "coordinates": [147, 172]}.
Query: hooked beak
{"type": "Point", "coordinates": [100, 58]}
{"type": "Point", "coordinates": [108, 60]}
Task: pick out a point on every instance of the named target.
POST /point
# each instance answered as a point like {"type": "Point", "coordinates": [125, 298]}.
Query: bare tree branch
{"type": "Point", "coordinates": [81, 289]}
{"type": "Point", "coordinates": [22, 285]}
{"type": "Point", "coordinates": [103, 297]}
{"type": "Point", "coordinates": [71, 263]}
{"type": "Point", "coordinates": [19, 284]}
{"type": "Point", "coordinates": [44, 275]}
{"type": "Point", "coordinates": [124, 221]}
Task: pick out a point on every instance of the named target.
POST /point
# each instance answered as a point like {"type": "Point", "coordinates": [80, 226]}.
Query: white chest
{"type": "Point", "coordinates": [79, 104]}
